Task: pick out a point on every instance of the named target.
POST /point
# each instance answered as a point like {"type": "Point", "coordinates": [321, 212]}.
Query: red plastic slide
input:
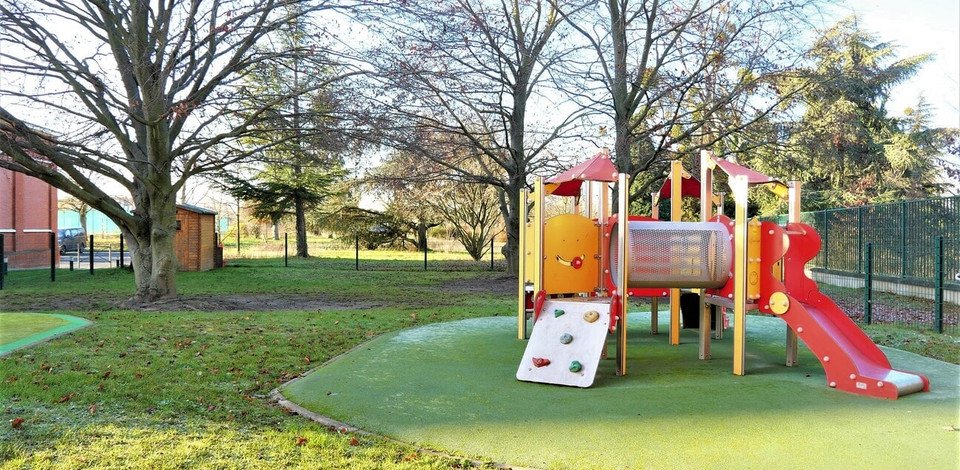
{"type": "Point", "coordinates": [852, 362]}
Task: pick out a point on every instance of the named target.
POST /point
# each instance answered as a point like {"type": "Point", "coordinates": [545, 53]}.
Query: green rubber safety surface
{"type": "Point", "coordinates": [19, 330]}
{"type": "Point", "coordinates": [451, 386]}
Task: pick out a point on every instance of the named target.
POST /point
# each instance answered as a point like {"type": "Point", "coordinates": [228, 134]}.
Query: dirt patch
{"type": "Point", "coordinates": [496, 284]}
{"type": "Point", "coordinates": [199, 303]}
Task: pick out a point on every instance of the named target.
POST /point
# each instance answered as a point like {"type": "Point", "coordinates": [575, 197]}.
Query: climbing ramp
{"type": "Point", "coordinates": [566, 343]}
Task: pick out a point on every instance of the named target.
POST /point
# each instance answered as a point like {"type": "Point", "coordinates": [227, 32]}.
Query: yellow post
{"type": "Point", "coordinates": [706, 212]}
{"type": "Point", "coordinates": [676, 212]}
{"type": "Point", "coordinates": [537, 242]}
{"type": "Point", "coordinates": [740, 189]}
{"type": "Point", "coordinates": [521, 272]}
{"type": "Point", "coordinates": [655, 301]}
{"type": "Point", "coordinates": [793, 216]}
{"type": "Point", "coordinates": [623, 231]}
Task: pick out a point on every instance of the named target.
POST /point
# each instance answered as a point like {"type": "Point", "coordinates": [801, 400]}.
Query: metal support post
{"type": "Point", "coordinates": [53, 256]}
{"type": "Point", "coordinates": [286, 249]}
{"type": "Point", "coordinates": [90, 253]}
{"type": "Point", "coordinates": [868, 284]}
{"type": "Point", "coordinates": [3, 262]}
{"type": "Point", "coordinates": [938, 286]}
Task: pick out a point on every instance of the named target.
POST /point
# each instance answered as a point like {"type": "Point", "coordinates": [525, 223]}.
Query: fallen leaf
{"type": "Point", "coordinates": [107, 374]}
{"type": "Point", "coordinates": [66, 397]}
{"type": "Point", "coordinates": [306, 359]}
{"type": "Point", "coordinates": [138, 375]}
{"type": "Point", "coordinates": [301, 441]}
{"type": "Point", "coordinates": [413, 456]}
{"type": "Point", "coordinates": [211, 408]}
{"type": "Point", "coordinates": [16, 423]}
{"type": "Point", "coordinates": [92, 409]}
{"type": "Point", "coordinates": [354, 441]}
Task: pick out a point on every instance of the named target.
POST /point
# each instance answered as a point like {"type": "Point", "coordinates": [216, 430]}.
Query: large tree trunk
{"type": "Point", "coordinates": [301, 226]}
{"type": "Point", "coordinates": [422, 236]}
{"type": "Point", "coordinates": [83, 220]}
{"type": "Point", "coordinates": [510, 209]}
{"type": "Point", "coordinates": [163, 229]}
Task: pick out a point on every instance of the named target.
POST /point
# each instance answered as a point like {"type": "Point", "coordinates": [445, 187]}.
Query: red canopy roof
{"type": "Point", "coordinates": [597, 168]}
{"type": "Point", "coordinates": [735, 169]}
{"type": "Point", "coordinates": [753, 177]}
{"type": "Point", "coordinates": [688, 187]}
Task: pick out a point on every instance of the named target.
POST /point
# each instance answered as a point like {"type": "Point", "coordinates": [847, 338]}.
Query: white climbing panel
{"type": "Point", "coordinates": [588, 340]}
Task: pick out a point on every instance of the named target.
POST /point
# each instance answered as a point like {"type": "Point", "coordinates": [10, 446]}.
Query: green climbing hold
{"type": "Point", "coordinates": [558, 312]}
{"type": "Point", "coordinates": [575, 366]}
{"type": "Point", "coordinates": [566, 338]}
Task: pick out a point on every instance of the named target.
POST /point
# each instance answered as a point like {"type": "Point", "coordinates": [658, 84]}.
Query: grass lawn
{"type": "Point", "coordinates": [189, 383]}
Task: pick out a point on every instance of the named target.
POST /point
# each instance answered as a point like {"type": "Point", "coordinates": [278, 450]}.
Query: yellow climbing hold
{"type": "Point", "coordinates": [591, 316]}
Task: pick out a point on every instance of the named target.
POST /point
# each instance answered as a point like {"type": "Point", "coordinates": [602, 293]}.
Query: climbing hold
{"type": "Point", "coordinates": [575, 366]}
{"type": "Point", "coordinates": [566, 338]}
{"type": "Point", "coordinates": [541, 361]}
{"type": "Point", "coordinates": [591, 316]}
{"type": "Point", "coordinates": [558, 312]}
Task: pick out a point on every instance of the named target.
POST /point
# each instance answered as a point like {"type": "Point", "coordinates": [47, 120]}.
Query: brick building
{"type": "Point", "coordinates": [28, 214]}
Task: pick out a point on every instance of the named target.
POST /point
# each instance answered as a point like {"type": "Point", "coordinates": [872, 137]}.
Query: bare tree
{"type": "Point", "coordinates": [471, 210]}
{"type": "Point", "coordinates": [75, 205]}
{"type": "Point", "coordinates": [458, 81]}
{"type": "Point", "coordinates": [669, 73]}
{"type": "Point", "coordinates": [143, 94]}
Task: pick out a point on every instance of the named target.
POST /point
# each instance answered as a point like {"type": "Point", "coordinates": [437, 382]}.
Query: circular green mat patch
{"type": "Point", "coordinates": [19, 330]}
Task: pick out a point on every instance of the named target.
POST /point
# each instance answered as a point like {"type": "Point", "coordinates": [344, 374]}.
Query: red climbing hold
{"type": "Point", "coordinates": [577, 262]}
{"type": "Point", "coordinates": [541, 361]}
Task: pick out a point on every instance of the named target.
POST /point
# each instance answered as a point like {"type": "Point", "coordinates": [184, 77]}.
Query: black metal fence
{"type": "Point", "coordinates": [914, 264]}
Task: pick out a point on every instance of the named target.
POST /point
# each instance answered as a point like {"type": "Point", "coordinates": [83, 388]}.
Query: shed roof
{"type": "Point", "coordinates": [197, 209]}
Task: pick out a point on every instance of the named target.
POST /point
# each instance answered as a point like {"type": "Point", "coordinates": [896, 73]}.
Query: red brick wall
{"type": "Point", "coordinates": [26, 203]}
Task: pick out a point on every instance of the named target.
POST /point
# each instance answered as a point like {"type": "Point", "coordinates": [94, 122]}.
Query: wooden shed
{"type": "Point", "coordinates": [196, 240]}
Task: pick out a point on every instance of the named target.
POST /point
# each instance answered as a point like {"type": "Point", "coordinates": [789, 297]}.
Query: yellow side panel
{"type": "Point", "coordinates": [568, 238]}
{"type": "Point", "coordinates": [528, 260]}
{"type": "Point", "coordinates": [753, 260]}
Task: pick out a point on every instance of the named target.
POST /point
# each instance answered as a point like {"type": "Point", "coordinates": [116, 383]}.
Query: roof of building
{"type": "Point", "coordinates": [197, 209]}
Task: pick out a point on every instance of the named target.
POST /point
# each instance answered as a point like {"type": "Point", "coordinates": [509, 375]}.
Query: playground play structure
{"type": "Point", "coordinates": [580, 270]}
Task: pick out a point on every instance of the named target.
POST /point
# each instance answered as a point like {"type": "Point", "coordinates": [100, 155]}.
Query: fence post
{"type": "Point", "coordinates": [358, 251]}
{"type": "Point", "coordinates": [3, 263]}
{"type": "Point", "coordinates": [938, 286]}
{"type": "Point", "coordinates": [491, 254]}
{"type": "Point", "coordinates": [286, 248]}
{"type": "Point", "coordinates": [903, 239]}
{"type": "Point", "coordinates": [90, 253]}
{"type": "Point", "coordinates": [826, 239]}
{"type": "Point", "coordinates": [868, 285]}
{"type": "Point", "coordinates": [424, 252]}
{"type": "Point", "coordinates": [53, 256]}
{"type": "Point", "coordinates": [860, 239]}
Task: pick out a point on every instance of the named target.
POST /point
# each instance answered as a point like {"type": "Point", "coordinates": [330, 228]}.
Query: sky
{"type": "Point", "coordinates": [923, 26]}
{"type": "Point", "coordinates": [918, 27]}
